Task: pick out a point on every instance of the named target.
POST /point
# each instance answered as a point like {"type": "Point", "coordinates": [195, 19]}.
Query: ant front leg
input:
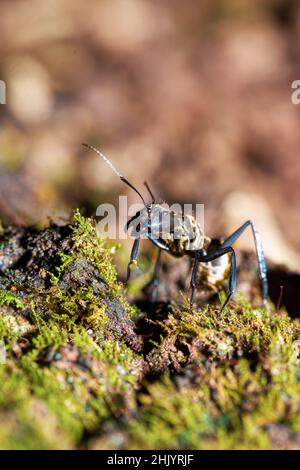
{"type": "Point", "coordinates": [232, 281]}
{"type": "Point", "coordinates": [133, 256]}
{"type": "Point", "coordinates": [259, 252]}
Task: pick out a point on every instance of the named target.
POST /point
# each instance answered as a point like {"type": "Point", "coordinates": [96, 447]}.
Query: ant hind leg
{"type": "Point", "coordinates": [259, 253]}
{"type": "Point", "coordinates": [232, 280]}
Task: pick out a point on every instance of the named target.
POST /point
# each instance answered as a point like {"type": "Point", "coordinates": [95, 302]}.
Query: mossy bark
{"type": "Point", "coordinates": [82, 368]}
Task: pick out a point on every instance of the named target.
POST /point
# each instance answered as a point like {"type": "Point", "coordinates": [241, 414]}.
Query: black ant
{"type": "Point", "coordinates": [183, 235]}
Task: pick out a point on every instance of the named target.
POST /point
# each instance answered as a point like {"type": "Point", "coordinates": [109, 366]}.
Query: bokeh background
{"type": "Point", "coordinates": [193, 96]}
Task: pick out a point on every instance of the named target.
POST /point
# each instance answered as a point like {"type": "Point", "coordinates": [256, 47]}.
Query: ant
{"type": "Point", "coordinates": [183, 235]}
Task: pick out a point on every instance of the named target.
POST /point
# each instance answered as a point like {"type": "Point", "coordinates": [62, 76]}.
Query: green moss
{"type": "Point", "coordinates": [81, 381]}
{"type": "Point", "coordinates": [80, 377]}
{"type": "Point", "coordinates": [9, 298]}
{"type": "Point", "coordinates": [65, 259]}
{"type": "Point", "coordinates": [12, 325]}
{"type": "Point", "coordinates": [85, 383]}
{"type": "Point", "coordinates": [240, 330]}
{"type": "Point", "coordinates": [243, 378]}
{"type": "Point", "coordinates": [87, 245]}
{"type": "Point", "coordinates": [228, 408]}
{"type": "Point", "coordinates": [23, 416]}
{"type": "Point", "coordinates": [91, 246]}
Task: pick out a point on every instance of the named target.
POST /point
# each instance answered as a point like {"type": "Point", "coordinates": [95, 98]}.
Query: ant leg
{"type": "Point", "coordinates": [232, 281]}
{"type": "Point", "coordinates": [194, 278]}
{"type": "Point", "coordinates": [155, 279]}
{"type": "Point", "coordinates": [133, 257]}
{"type": "Point", "coordinates": [159, 243]}
{"type": "Point", "coordinates": [259, 252]}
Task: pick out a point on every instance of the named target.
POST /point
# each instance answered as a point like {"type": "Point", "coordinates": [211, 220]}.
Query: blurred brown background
{"type": "Point", "coordinates": [193, 96]}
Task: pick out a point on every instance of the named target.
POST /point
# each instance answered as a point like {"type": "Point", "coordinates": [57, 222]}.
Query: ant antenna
{"type": "Point", "coordinates": [149, 191]}
{"type": "Point", "coordinates": [109, 163]}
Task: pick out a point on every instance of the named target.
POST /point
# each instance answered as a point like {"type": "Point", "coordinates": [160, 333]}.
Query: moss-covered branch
{"type": "Point", "coordinates": [101, 375]}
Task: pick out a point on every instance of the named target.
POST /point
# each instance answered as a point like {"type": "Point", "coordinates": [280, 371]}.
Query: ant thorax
{"type": "Point", "coordinates": [181, 233]}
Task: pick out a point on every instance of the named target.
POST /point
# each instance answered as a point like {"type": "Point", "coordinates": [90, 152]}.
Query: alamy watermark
{"type": "Point", "coordinates": [2, 92]}
{"type": "Point", "coordinates": [295, 97]}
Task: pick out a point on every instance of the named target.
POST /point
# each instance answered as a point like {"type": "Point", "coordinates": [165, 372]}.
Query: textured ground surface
{"type": "Point", "coordinates": [85, 369]}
